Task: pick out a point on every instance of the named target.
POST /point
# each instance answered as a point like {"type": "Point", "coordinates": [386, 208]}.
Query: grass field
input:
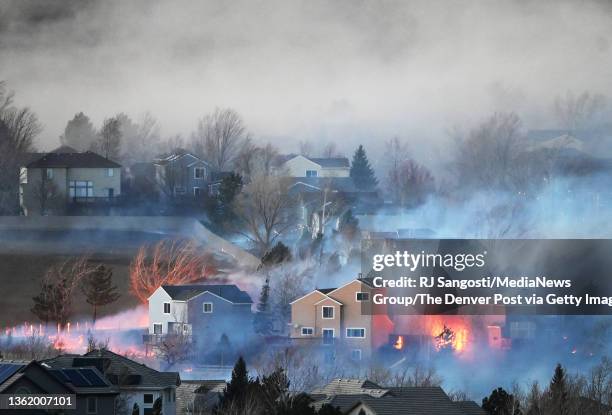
{"type": "Point", "coordinates": [25, 257]}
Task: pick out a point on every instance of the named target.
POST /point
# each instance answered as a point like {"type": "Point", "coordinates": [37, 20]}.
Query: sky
{"type": "Point", "coordinates": [349, 71]}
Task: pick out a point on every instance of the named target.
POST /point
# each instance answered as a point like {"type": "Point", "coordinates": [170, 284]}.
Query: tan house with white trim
{"type": "Point", "coordinates": [302, 166]}
{"type": "Point", "coordinates": [337, 319]}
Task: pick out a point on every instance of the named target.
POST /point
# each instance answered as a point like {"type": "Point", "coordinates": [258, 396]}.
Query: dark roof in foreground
{"type": "Point", "coordinates": [117, 367]}
{"type": "Point", "coordinates": [316, 184]}
{"type": "Point", "coordinates": [405, 400]}
{"type": "Point", "coordinates": [62, 157]}
{"type": "Point", "coordinates": [470, 408]}
{"type": "Point", "coordinates": [229, 292]}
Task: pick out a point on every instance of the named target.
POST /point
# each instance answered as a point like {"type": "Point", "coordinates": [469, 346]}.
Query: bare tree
{"type": "Point", "coordinates": [140, 140]}
{"type": "Point", "coordinates": [253, 160]}
{"type": "Point", "coordinates": [488, 156]}
{"type": "Point", "coordinates": [264, 210]}
{"type": "Point", "coordinates": [396, 152]}
{"type": "Point", "coordinates": [306, 148]}
{"type": "Point", "coordinates": [109, 142]}
{"type": "Point", "coordinates": [218, 138]}
{"type": "Point", "coordinates": [18, 129]}
{"type": "Point", "coordinates": [46, 193]}
{"type": "Point", "coordinates": [410, 183]}
{"type": "Point", "coordinates": [574, 112]}
{"type": "Point", "coordinates": [330, 150]}
{"type": "Point", "coordinates": [168, 262]}
{"type": "Point", "coordinates": [58, 287]}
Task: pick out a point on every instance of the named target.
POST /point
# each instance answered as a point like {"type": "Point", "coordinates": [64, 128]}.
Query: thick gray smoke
{"type": "Point", "coordinates": [346, 71]}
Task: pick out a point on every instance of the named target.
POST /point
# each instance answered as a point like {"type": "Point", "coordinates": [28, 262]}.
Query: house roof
{"type": "Point", "coordinates": [119, 369]}
{"type": "Point", "coordinates": [331, 162]}
{"type": "Point", "coordinates": [316, 184]}
{"type": "Point", "coordinates": [351, 387]}
{"type": "Point", "coordinates": [85, 380]}
{"type": "Point", "coordinates": [229, 292]}
{"type": "Point", "coordinates": [470, 408]}
{"type": "Point", "coordinates": [404, 400]}
{"type": "Point", "coordinates": [68, 157]}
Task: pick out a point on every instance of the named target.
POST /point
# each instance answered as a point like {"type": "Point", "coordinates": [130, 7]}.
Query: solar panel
{"type": "Point", "coordinates": [7, 370]}
{"type": "Point", "coordinates": [75, 377]}
{"type": "Point", "coordinates": [61, 375]}
{"type": "Point", "coordinates": [93, 378]}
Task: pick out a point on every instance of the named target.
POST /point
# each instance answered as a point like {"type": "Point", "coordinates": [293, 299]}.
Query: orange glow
{"type": "Point", "coordinates": [399, 343]}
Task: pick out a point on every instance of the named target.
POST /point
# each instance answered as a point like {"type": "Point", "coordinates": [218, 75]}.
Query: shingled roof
{"type": "Point", "coordinates": [348, 394]}
{"type": "Point", "coordinates": [117, 367]}
{"type": "Point", "coordinates": [330, 162]}
{"type": "Point", "coordinates": [228, 292]}
{"type": "Point", "coordinates": [68, 157]}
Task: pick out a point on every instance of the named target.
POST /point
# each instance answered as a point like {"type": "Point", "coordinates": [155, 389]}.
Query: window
{"type": "Point", "coordinates": [307, 331]}
{"type": "Point", "coordinates": [355, 333]}
{"type": "Point", "coordinates": [197, 192]}
{"type": "Point", "coordinates": [157, 328]}
{"type": "Point", "coordinates": [199, 172]}
{"type": "Point", "coordinates": [49, 174]}
{"type": "Point", "coordinates": [110, 172]}
{"type": "Point", "coordinates": [166, 308]}
{"type": "Point", "coordinates": [363, 296]}
{"type": "Point", "coordinates": [81, 189]}
{"type": "Point", "coordinates": [311, 173]}
{"type": "Point", "coordinates": [92, 405]}
{"type": "Point", "coordinates": [24, 175]}
{"type": "Point", "coordinates": [356, 354]}
{"type": "Point", "coordinates": [328, 312]}
{"type": "Point", "coordinates": [207, 307]}
{"type": "Point", "coordinates": [328, 336]}
{"type": "Point", "coordinates": [148, 398]}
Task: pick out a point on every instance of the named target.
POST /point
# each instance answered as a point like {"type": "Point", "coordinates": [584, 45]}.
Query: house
{"type": "Point", "coordinates": [357, 396]}
{"type": "Point", "coordinates": [302, 166]}
{"type": "Point", "coordinates": [198, 397]}
{"type": "Point", "coordinates": [200, 311]}
{"type": "Point", "coordinates": [339, 320]}
{"type": "Point", "coordinates": [94, 394]}
{"type": "Point", "coordinates": [53, 182]}
{"type": "Point", "coordinates": [182, 174]}
{"type": "Point", "coordinates": [139, 386]}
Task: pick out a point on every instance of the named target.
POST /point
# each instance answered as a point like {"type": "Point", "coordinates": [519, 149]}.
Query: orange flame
{"type": "Point", "coordinates": [399, 343]}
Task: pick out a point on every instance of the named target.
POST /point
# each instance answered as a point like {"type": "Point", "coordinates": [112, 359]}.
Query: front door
{"type": "Point", "coordinates": [328, 336]}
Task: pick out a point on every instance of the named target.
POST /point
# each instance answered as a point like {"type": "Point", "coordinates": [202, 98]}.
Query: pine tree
{"type": "Point", "coordinates": [99, 289]}
{"type": "Point", "coordinates": [43, 303]}
{"type": "Point", "coordinates": [501, 402]}
{"type": "Point", "coordinates": [237, 390]}
{"type": "Point", "coordinates": [558, 392]}
{"type": "Point", "coordinates": [361, 172]}
{"type": "Point", "coordinates": [263, 323]}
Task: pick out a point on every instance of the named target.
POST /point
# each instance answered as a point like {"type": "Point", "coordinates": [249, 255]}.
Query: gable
{"type": "Point", "coordinates": [311, 298]}
{"type": "Point", "coordinates": [301, 162]}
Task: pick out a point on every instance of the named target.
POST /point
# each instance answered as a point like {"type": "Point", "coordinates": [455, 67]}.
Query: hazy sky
{"type": "Point", "coordinates": [345, 70]}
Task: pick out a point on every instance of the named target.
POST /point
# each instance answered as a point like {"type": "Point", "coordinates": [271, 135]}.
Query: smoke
{"type": "Point", "coordinates": [320, 70]}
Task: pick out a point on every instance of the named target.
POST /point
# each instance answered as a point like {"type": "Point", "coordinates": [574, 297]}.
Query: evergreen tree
{"type": "Point", "coordinates": [559, 392]}
{"type": "Point", "coordinates": [361, 171]}
{"type": "Point", "coordinates": [157, 407]}
{"type": "Point", "coordinates": [501, 402]}
{"type": "Point", "coordinates": [99, 289]}
{"type": "Point", "coordinates": [79, 133]}
{"type": "Point", "coordinates": [263, 322]}
{"type": "Point", "coordinates": [43, 303]}
{"type": "Point", "coordinates": [278, 254]}
{"type": "Point", "coordinates": [237, 390]}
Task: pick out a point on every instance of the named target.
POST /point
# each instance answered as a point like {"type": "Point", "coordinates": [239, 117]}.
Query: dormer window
{"type": "Point", "coordinates": [328, 312]}
{"type": "Point", "coordinates": [311, 173]}
{"type": "Point", "coordinates": [199, 173]}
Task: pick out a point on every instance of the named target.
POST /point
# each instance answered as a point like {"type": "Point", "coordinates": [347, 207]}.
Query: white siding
{"type": "Point", "coordinates": [178, 310]}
